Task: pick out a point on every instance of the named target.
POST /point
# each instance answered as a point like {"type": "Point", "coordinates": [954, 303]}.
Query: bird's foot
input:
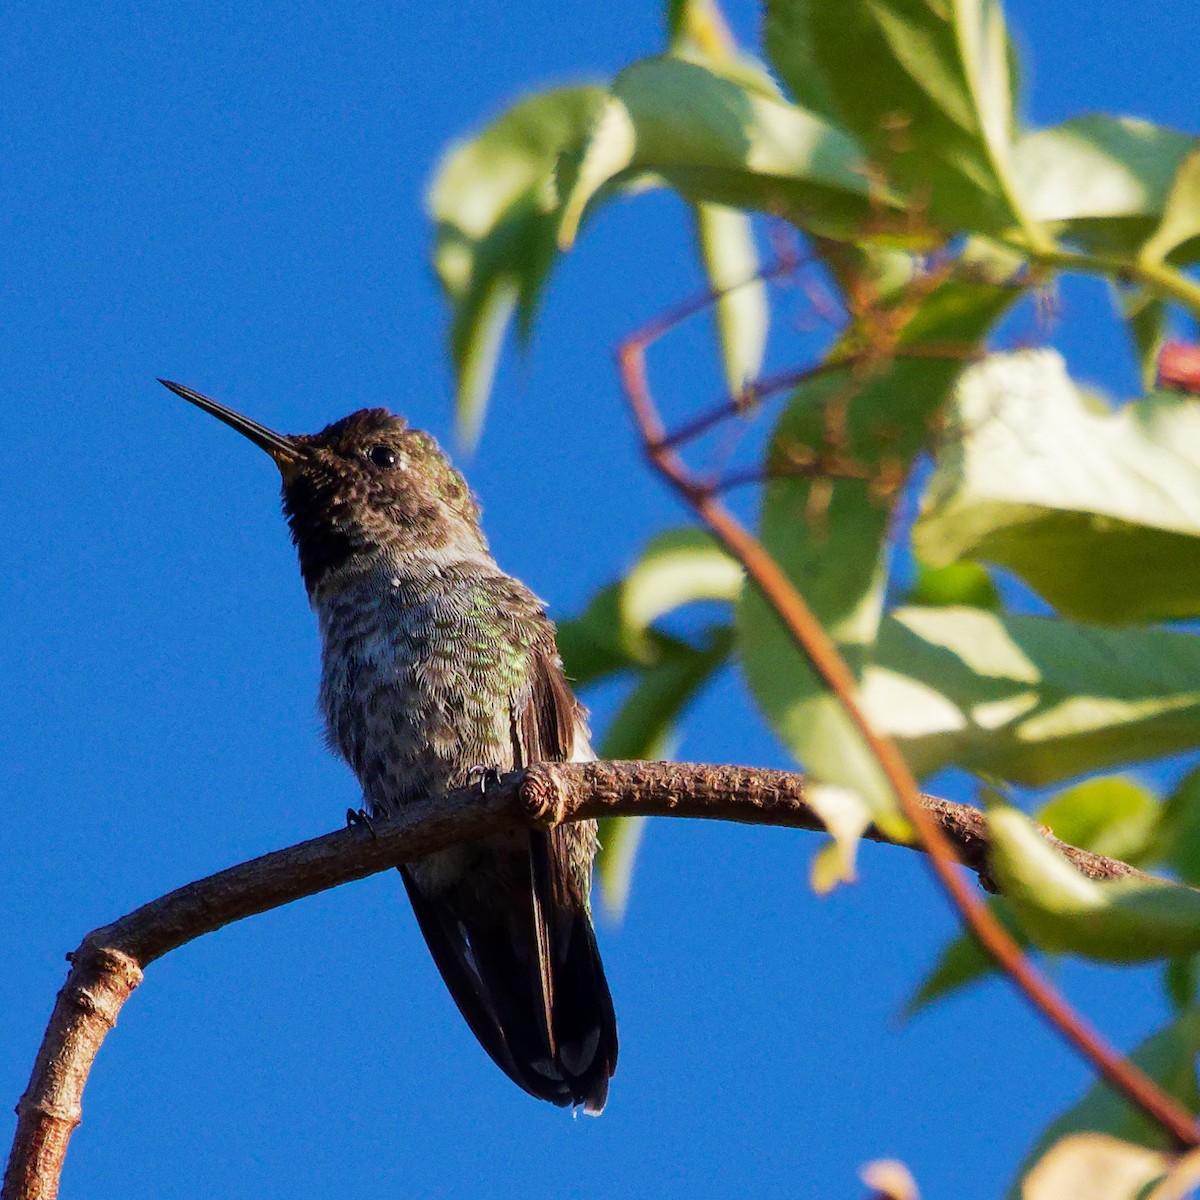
{"type": "Point", "coordinates": [360, 816]}
{"type": "Point", "coordinates": [485, 776]}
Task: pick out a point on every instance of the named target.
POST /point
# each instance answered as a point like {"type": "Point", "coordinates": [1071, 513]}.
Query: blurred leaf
{"type": "Point", "coordinates": [1181, 214]}
{"type": "Point", "coordinates": [889, 1179]}
{"type": "Point", "coordinates": [1112, 815]}
{"type": "Point", "coordinates": [789, 47]}
{"type": "Point", "coordinates": [829, 533]}
{"type": "Point", "coordinates": [1033, 700]}
{"type": "Point", "coordinates": [496, 211]}
{"type": "Point", "coordinates": [845, 816]}
{"type": "Point", "coordinates": [592, 645]}
{"type": "Point", "coordinates": [730, 258]}
{"type": "Point", "coordinates": [644, 723]}
{"type": "Point", "coordinates": [963, 961]}
{"type": "Point", "coordinates": [644, 727]}
{"type": "Point", "coordinates": [956, 583]}
{"type": "Point", "coordinates": [1093, 1166]}
{"type": "Point", "coordinates": [927, 88]}
{"type": "Point", "coordinates": [676, 568]}
{"type": "Point", "coordinates": [1181, 1180]}
{"type": "Point", "coordinates": [1103, 181]}
{"type": "Point", "coordinates": [1169, 1058]}
{"type": "Point", "coordinates": [1179, 830]}
{"type": "Point", "coordinates": [699, 26]}
{"type": "Point", "coordinates": [715, 138]}
{"type": "Point", "coordinates": [1146, 318]}
{"type": "Point", "coordinates": [614, 633]}
{"type": "Point", "coordinates": [1099, 511]}
{"type": "Point", "coordinates": [1061, 909]}
{"type": "Point", "coordinates": [1180, 979]}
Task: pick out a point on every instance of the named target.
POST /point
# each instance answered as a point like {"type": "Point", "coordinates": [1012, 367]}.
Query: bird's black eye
{"type": "Point", "coordinates": [382, 456]}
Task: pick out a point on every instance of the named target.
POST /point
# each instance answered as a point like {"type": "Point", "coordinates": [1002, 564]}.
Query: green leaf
{"type": "Point", "coordinates": [592, 645]}
{"type": "Point", "coordinates": [1180, 979]}
{"type": "Point", "coordinates": [699, 27]}
{"type": "Point", "coordinates": [614, 634]}
{"type": "Point", "coordinates": [927, 87]}
{"type": "Point", "coordinates": [730, 257]}
{"type": "Point", "coordinates": [955, 583]}
{"type": "Point", "coordinates": [1146, 319]}
{"type": "Point", "coordinates": [1111, 815]}
{"type": "Point", "coordinates": [1097, 510]}
{"type": "Point", "coordinates": [1169, 1058]}
{"type": "Point", "coordinates": [1100, 181]}
{"type": "Point", "coordinates": [644, 724]}
{"type": "Point", "coordinates": [678, 567]}
{"type": "Point", "coordinates": [718, 139]}
{"type": "Point", "coordinates": [1179, 830]}
{"type": "Point", "coordinates": [962, 961]}
{"type": "Point", "coordinates": [789, 48]}
{"type": "Point", "coordinates": [496, 211]}
{"type": "Point", "coordinates": [829, 533]}
{"type": "Point", "coordinates": [1061, 909]}
{"type": "Point", "coordinates": [1033, 700]}
{"type": "Point", "coordinates": [1181, 214]}
{"type": "Point", "coordinates": [644, 727]}
{"type": "Point", "coordinates": [1093, 1166]}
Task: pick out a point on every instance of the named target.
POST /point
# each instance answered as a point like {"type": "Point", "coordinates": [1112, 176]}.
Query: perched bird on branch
{"type": "Point", "coordinates": [437, 666]}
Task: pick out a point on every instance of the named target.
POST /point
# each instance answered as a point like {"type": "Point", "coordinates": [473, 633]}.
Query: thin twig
{"type": "Point", "coordinates": [109, 963]}
{"type": "Point", "coordinates": [824, 657]}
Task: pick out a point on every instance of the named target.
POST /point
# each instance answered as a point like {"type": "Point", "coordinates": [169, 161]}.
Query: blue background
{"type": "Point", "coordinates": [232, 196]}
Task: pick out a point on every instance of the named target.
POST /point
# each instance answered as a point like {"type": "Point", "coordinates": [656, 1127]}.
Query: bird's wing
{"type": "Point", "coordinates": [550, 726]}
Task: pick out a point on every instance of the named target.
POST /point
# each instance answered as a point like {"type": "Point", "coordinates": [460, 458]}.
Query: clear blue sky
{"type": "Point", "coordinates": [232, 197]}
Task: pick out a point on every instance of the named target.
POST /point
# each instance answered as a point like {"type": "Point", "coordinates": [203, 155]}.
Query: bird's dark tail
{"type": "Point", "coordinates": [528, 979]}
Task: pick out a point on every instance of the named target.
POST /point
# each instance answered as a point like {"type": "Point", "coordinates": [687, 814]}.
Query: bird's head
{"type": "Point", "coordinates": [366, 489]}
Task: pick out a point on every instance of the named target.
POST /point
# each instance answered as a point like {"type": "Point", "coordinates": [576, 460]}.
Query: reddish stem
{"type": "Point", "coordinates": [822, 654]}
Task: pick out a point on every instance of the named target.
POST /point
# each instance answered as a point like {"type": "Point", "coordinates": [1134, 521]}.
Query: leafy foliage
{"type": "Point", "coordinates": [885, 135]}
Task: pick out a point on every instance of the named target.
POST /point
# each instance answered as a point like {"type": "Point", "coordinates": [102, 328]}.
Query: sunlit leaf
{"type": "Point", "coordinates": [1061, 909]}
{"type": "Point", "coordinates": [889, 1179]}
{"type": "Point", "coordinates": [496, 212]}
{"type": "Point", "coordinates": [1112, 815]}
{"type": "Point", "coordinates": [1101, 181]}
{"type": "Point", "coordinates": [678, 567]}
{"type": "Point", "coordinates": [1169, 1058]}
{"type": "Point", "coordinates": [927, 88]}
{"type": "Point", "coordinates": [1093, 1166]}
{"type": "Point", "coordinates": [1031, 699]}
{"type": "Point", "coordinates": [730, 258]}
{"type": "Point", "coordinates": [1097, 510]}
{"type": "Point", "coordinates": [846, 816]}
{"type": "Point", "coordinates": [828, 533]}
{"type": "Point", "coordinates": [716, 139]}
{"type": "Point", "coordinates": [1181, 214]}
{"type": "Point", "coordinates": [1180, 1182]}
{"type": "Point", "coordinates": [613, 634]}
{"type": "Point", "coordinates": [962, 961]}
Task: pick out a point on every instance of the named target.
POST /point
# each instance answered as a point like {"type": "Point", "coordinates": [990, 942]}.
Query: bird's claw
{"type": "Point", "coordinates": [485, 776]}
{"type": "Point", "coordinates": [360, 816]}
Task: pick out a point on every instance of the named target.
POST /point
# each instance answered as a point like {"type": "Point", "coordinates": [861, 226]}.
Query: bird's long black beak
{"type": "Point", "coordinates": [284, 450]}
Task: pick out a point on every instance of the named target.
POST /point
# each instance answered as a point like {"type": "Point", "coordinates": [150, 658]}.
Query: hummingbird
{"type": "Point", "coordinates": [436, 666]}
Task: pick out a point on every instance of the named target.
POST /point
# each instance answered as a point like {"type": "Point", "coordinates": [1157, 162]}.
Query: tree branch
{"type": "Point", "coordinates": [108, 964]}
{"type": "Point", "coordinates": [823, 656]}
